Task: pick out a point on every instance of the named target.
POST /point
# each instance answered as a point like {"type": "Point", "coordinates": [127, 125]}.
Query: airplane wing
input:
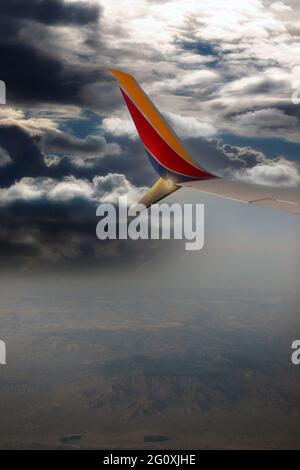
{"type": "Point", "coordinates": [266, 196]}
{"type": "Point", "coordinates": [176, 169]}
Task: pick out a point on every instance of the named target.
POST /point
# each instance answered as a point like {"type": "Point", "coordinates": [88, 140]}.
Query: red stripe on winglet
{"type": "Point", "coordinates": [159, 148]}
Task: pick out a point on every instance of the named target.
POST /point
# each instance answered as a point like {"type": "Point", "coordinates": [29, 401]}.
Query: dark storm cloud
{"type": "Point", "coordinates": [23, 156]}
{"type": "Point", "coordinates": [35, 231]}
{"type": "Point", "coordinates": [26, 158]}
{"type": "Point", "coordinates": [50, 223]}
{"type": "Point", "coordinates": [50, 12]}
{"type": "Point", "coordinates": [33, 76]}
{"type": "Point", "coordinates": [34, 67]}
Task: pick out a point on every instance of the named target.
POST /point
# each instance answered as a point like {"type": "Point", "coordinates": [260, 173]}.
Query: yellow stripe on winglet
{"type": "Point", "coordinates": [159, 190]}
{"type": "Point", "coordinates": [141, 100]}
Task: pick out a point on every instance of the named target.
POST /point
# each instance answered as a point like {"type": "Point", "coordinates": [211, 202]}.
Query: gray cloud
{"type": "Point", "coordinates": [243, 156]}
{"type": "Point", "coordinates": [268, 122]}
{"type": "Point", "coordinates": [62, 142]}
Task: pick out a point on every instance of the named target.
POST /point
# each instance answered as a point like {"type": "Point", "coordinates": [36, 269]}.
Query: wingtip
{"type": "Point", "coordinates": [118, 74]}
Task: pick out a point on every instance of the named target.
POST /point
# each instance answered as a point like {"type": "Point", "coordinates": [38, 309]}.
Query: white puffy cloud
{"type": "Point", "coordinates": [119, 126]}
{"type": "Point", "coordinates": [185, 126]}
{"type": "Point", "coordinates": [190, 79]}
{"type": "Point", "coordinates": [106, 188]}
{"type": "Point", "coordinates": [272, 173]}
{"type": "Point", "coordinates": [280, 7]}
{"type": "Point", "coordinates": [188, 126]}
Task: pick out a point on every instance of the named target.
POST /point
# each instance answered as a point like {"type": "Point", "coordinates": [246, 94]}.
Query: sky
{"type": "Point", "coordinates": [115, 337]}
{"type": "Point", "coordinates": [224, 73]}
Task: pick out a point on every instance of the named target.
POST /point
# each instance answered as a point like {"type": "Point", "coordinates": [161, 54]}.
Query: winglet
{"type": "Point", "coordinates": [118, 74]}
{"type": "Point", "coordinates": [165, 151]}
